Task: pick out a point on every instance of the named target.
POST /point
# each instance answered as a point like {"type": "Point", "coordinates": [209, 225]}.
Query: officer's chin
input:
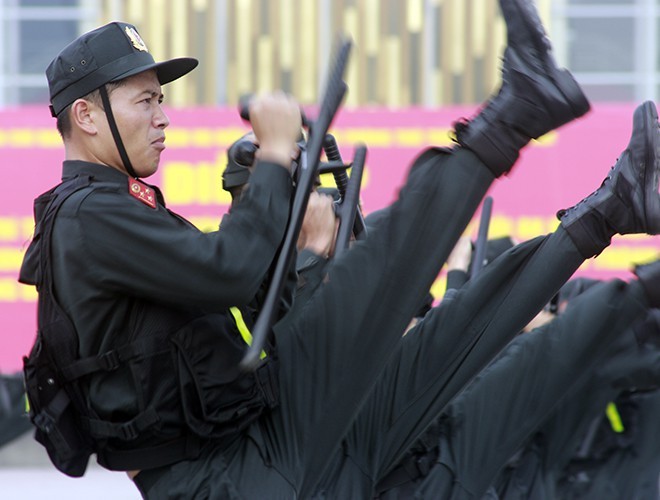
{"type": "Point", "coordinates": [147, 171]}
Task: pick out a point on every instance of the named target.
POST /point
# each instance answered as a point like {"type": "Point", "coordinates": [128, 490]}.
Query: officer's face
{"type": "Point", "coordinates": [136, 106]}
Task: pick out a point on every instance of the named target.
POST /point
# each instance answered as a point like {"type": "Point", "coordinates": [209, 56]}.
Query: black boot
{"type": "Point", "coordinates": [628, 201]}
{"type": "Point", "coordinates": [535, 96]}
{"type": "Point", "coordinates": [649, 277]}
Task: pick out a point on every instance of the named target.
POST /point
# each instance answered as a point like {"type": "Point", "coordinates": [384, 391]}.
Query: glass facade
{"type": "Point", "coordinates": [611, 46]}
{"type": "Point", "coordinates": [417, 52]}
{"type": "Point", "coordinates": [31, 34]}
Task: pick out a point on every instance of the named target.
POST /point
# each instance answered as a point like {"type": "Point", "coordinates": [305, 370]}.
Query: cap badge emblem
{"type": "Point", "coordinates": [135, 39]}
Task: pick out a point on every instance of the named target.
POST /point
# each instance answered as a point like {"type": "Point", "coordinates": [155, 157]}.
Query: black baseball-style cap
{"type": "Point", "coordinates": [107, 54]}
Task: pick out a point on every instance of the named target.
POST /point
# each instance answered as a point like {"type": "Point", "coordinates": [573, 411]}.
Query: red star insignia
{"type": "Point", "coordinates": [141, 192]}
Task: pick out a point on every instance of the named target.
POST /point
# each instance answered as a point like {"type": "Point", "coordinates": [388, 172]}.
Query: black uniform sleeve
{"type": "Point", "coordinates": [311, 269]}
{"type": "Point", "coordinates": [456, 279]}
{"type": "Point", "coordinates": [133, 249]}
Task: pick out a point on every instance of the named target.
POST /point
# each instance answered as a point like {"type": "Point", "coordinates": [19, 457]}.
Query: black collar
{"type": "Point", "coordinates": [99, 172]}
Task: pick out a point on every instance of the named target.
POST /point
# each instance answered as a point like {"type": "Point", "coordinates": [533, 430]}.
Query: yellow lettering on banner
{"type": "Point", "coordinates": [206, 223]}
{"type": "Point", "coordinates": [10, 259]}
{"type": "Point", "coordinates": [9, 228]}
{"type": "Point", "coordinates": [530, 227]}
{"type": "Point", "coordinates": [177, 137]}
{"type": "Point", "coordinates": [374, 137]}
{"type": "Point", "coordinates": [209, 184]}
{"type": "Point", "coordinates": [223, 197]}
{"type": "Point", "coordinates": [27, 293]}
{"type": "Point", "coordinates": [178, 182]}
{"type": "Point", "coordinates": [187, 183]}
{"type": "Point", "coordinates": [439, 286]}
{"type": "Point", "coordinates": [546, 140]}
{"type": "Point", "coordinates": [328, 180]}
{"type": "Point", "coordinates": [20, 137]}
{"type": "Point", "coordinates": [366, 177]}
{"type": "Point", "coordinates": [440, 137]}
{"type": "Point", "coordinates": [632, 237]}
{"type": "Point", "coordinates": [47, 138]}
{"type": "Point", "coordinates": [225, 137]}
{"type": "Point", "coordinates": [616, 258]}
{"type": "Point", "coordinates": [409, 137]}
{"type": "Point", "coordinates": [8, 290]}
{"type": "Point", "coordinates": [500, 227]}
{"type": "Point", "coordinates": [586, 265]}
{"type": "Point", "coordinates": [202, 137]}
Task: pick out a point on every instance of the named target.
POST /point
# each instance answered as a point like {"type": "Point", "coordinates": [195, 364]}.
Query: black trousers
{"type": "Point", "coordinates": [333, 347]}
{"type": "Point", "coordinates": [545, 458]}
{"type": "Point", "coordinates": [489, 421]}
{"type": "Point", "coordinates": [440, 356]}
{"type": "Point", "coordinates": [631, 471]}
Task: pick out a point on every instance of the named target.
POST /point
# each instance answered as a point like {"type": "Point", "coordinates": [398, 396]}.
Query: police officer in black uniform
{"type": "Point", "coordinates": [621, 462]}
{"type": "Point", "coordinates": [126, 270]}
{"type": "Point", "coordinates": [597, 430]}
{"type": "Point", "coordinates": [515, 394]}
{"type": "Point", "coordinates": [175, 406]}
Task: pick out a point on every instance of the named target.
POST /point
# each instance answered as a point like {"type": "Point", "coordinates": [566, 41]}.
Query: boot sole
{"type": "Point", "coordinates": [571, 90]}
{"type": "Point", "coordinates": [650, 126]}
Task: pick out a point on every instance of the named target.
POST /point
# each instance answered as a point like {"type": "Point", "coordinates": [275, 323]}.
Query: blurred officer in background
{"type": "Point", "coordinates": [13, 421]}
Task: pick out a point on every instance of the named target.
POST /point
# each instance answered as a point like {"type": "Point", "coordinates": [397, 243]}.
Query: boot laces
{"type": "Point", "coordinates": [608, 180]}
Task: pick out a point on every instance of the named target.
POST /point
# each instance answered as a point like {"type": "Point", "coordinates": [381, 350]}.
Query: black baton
{"type": "Point", "coordinates": [331, 101]}
{"type": "Point", "coordinates": [349, 207]}
{"type": "Point", "coordinates": [482, 238]}
{"type": "Point", "coordinates": [341, 179]}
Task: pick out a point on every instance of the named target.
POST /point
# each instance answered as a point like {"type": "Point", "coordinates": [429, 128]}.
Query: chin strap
{"type": "Point", "coordinates": [115, 132]}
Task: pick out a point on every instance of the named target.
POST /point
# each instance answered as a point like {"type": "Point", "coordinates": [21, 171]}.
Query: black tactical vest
{"type": "Point", "coordinates": [174, 385]}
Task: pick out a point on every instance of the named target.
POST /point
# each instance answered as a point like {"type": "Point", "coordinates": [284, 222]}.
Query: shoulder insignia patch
{"type": "Point", "coordinates": [142, 192]}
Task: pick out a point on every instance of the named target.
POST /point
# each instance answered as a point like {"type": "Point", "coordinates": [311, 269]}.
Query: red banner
{"type": "Point", "coordinates": [554, 172]}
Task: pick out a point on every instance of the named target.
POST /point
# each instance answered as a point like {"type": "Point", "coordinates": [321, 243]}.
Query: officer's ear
{"type": "Point", "coordinates": [82, 116]}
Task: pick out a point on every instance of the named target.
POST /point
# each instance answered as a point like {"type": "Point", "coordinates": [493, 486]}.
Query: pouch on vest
{"type": "Point", "coordinates": [218, 398]}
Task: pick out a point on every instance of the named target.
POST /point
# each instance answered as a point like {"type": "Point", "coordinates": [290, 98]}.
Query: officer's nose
{"type": "Point", "coordinates": [160, 119]}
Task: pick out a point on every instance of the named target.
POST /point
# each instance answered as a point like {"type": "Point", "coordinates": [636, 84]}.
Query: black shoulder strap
{"type": "Point", "coordinates": [45, 209]}
{"type": "Point", "coordinates": [50, 402]}
{"type": "Point", "coordinates": [64, 347]}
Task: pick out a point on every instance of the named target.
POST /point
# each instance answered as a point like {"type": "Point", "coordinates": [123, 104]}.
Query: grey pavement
{"type": "Point", "coordinates": [27, 474]}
